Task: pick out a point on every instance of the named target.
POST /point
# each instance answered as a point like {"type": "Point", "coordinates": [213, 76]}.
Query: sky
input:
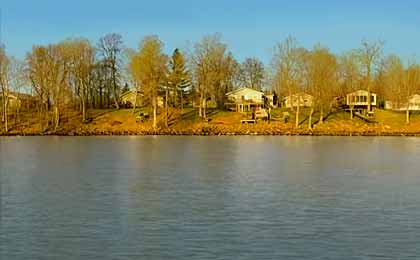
{"type": "Point", "coordinates": [250, 28]}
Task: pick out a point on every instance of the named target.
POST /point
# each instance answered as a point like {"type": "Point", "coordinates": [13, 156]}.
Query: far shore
{"type": "Point", "coordinates": [217, 133]}
{"type": "Point", "coordinates": [220, 123]}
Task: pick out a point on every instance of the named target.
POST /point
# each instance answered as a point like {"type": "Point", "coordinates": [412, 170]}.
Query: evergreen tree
{"type": "Point", "coordinates": [179, 79]}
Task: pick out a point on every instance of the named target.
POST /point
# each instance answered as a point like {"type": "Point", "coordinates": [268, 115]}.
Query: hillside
{"type": "Point", "coordinates": [123, 122]}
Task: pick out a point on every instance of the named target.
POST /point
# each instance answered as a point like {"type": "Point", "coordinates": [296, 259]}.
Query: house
{"type": "Point", "coordinates": [13, 100]}
{"type": "Point", "coordinates": [244, 100]}
{"type": "Point", "coordinates": [131, 97]}
{"type": "Point", "coordinates": [209, 103]}
{"type": "Point", "coordinates": [301, 99]}
{"type": "Point", "coordinates": [20, 101]}
{"type": "Point", "coordinates": [271, 99]}
{"type": "Point", "coordinates": [413, 104]}
{"type": "Point", "coordinates": [358, 100]}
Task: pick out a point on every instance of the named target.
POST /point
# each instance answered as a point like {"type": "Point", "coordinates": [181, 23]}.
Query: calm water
{"type": "Point", "coordinates": [209, 198]}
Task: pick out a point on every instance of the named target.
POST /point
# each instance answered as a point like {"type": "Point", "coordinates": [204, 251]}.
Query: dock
{"type": "Point", "coordinates": [367, 119]}
{"type": "Point", "coordinates": [248, 121]}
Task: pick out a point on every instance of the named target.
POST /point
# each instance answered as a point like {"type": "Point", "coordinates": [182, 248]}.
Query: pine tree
{"type": "Point", "coordinates": [179, 79]}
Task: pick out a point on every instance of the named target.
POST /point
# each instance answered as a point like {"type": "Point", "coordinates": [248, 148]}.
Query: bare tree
{"type": "Point", "coordinates": [252, 70]}
{"type": "Point", "coordinates": [287, 63]}
{"type": "Point", "coordinates": [349, 72]}
{"type": "Point", "coordinates": [110, 48]}
{"type": "Point", "coordinates": [321, 79]}
{"type": "Point", "coordinates": [18, 83]}
{"type": "Point", "coordinates": [149, 69]}
{"type": "Point", "coordinates": [214, 70]}
{"type": "Point", "coordinates": [4, 86]}
{"type": "Point", "coordinates": [411, 83]}
{"type": "Point", "coordinates": [48, 72]}
{"type": "Point", "coordinates": [369, 56]}
{"type": "Point", "coordinates": [82, 62]}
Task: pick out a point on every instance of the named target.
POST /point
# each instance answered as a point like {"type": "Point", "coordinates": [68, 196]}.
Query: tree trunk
{"type": "Point", "coordinates": [57, 117]}
{"type": "Point", "coordinates": [297, 113]}
{"type": "Point", "coordinates": [166, 108]}
{"type": "Point", "coordinates": [205, 108]}
{"type": "Point", "coordinates": [321, 116]}
{"type": "Point", "coordinates": [17, 113]}
{"type": "Point", "coordinates": [369, 92]}
{"type": "Point", "coordinates": [407, 115]}
{"type": "Point", "coordinates": [135, 102]}
{"type": "Point", "coordinates": [182, 102]}
{"type": "Point", "coordinates": [5, 118]}
{"type": "Point", "coordinates": [114, 87]}
{"type": "Point", "coordinates": [154, 112]}
{"type": "Point", "coordinates": [116, 101]}
{"type": "Point", "coordinates": [101, 100]}
{"type": "Point", "coordinates": [83, 110]}
{"type": "Point", "coordinates": [200, 106]}
{"type": "Point", "coordinates": [310, 118]}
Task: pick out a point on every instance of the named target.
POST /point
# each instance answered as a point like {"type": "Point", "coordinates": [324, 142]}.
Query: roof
{"type": "Point", "coordinates": [16, 95]}
{"type": "Point", "coordinates": [361, 91]}
{"type": "Point", "coordinates": [242, 89]}
{"type": "Point", "coordinates": [415, 96]}
{"type": "Point", "coordinates": [131, 92]}
{"type": "Point", "coordinates": [298, 94]}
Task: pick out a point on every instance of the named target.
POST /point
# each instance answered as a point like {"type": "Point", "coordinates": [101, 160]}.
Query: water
{"type": "Point", "coordinates": [209, 198]}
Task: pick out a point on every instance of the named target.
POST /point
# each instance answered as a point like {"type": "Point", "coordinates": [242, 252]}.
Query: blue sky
{"type": "Point", "coordinates": [250, 28]}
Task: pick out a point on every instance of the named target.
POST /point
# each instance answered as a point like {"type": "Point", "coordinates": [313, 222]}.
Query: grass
{"type": "Point", "coordinates": [113, 121]}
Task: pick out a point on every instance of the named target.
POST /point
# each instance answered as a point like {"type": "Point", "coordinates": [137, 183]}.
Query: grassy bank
{"type": "Point", "coordinates": [123, 122]}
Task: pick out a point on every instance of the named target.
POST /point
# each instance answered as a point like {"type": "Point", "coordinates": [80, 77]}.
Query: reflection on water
{"type": "Point", "coordinates": [209, 198]}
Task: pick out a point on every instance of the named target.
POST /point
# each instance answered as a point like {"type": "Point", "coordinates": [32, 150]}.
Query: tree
{"type": "Point", "coordinates": [288, 66]}
{"type": "Point", "coordinates": [81, 57]}
{"type": "Point", "coordinates": [149, 69]}
{"type": "Point", "coordinates": [321, 78]}
{"type": "Point", "coordinates": [394, 74]}
{"type": "Point", "coordinates": [252, 70]}
{"type": "Point", "coordinates": [4, 86]}
{"type": "Point", "coordinates": [47, 73]}
{"type": "Point", "coordinates": [110, 48]}
{"type": "Point", "coordinates": [349, 72]}
{"type": "Point", "coordinates": [214, 70]}
{"type": "Point", "coordinates": [369, 57]}
{"type": "Point", "coordinates": [401, 83]}
{"type": "Point", "coordinates": [411, 84]}
{"type": "Point", "coordinates": [179, 79]}
{"type": "Point", "coordinates": [18, 82]}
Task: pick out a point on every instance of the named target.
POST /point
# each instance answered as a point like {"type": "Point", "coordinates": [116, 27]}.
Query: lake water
{"type": "Point", "coordinates": [209, 198]}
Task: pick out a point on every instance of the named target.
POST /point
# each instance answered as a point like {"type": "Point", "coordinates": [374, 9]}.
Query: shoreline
{"type": "Point", "coordinates": [123, 123]}
{"type": "Point", "coordinates": [213, 132]}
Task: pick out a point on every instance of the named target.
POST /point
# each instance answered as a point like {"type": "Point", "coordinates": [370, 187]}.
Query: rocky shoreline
{"type": "Point", "coordinates": [216, 130]}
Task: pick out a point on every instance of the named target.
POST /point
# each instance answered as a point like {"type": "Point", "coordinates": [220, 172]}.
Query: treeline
{"type": "Point", "coordinates": [70, 74]}
{"type": "Point", "coordinates": [76, 74]}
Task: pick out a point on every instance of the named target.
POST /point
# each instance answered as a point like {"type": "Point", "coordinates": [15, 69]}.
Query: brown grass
{"type": "Point", "coordinates": [123, 122]}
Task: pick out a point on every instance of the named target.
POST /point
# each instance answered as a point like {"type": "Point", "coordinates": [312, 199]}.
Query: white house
{"type": "Point", "coordinates": [131, 97]}
{"type": "Point", "coordinates": [300, 99]}
{"type": "Point", "coordinates": [12, 99]}
{"type": "Point", "coordinates": [413, 104]}
{"type": "Point", "coordinates": [359, 100]}
{"type": "Point", "coordinates": [271, 99]}
{"type": "Point", "coordinates": [244, 99]}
